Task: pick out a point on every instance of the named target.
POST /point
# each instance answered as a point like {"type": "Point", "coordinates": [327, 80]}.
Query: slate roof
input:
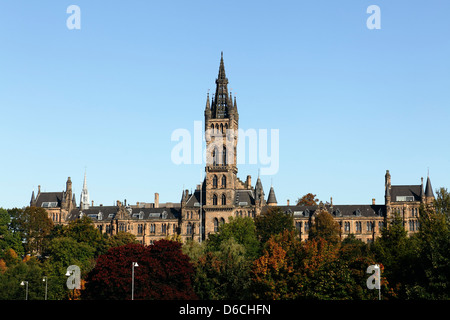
{"type": "Point", "coordinates": [49, 197]}
{"type": "Point", "coordinates": [244, 198]}
{"type": "Point", "coordinates": [429, 189]}
{"type": "Point", "coordinates": [335, 210]}
{"type": "Point", "coordinates": [109, 212]}
{"type": "Point", "coordinates": [406, 190]}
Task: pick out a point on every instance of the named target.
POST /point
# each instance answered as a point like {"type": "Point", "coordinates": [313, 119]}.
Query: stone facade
{"type": "Point", "coordinates": [222, 195]}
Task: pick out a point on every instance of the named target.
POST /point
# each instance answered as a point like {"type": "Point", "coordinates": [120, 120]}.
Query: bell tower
{"type": "Point", "coordinates": [221, 125]}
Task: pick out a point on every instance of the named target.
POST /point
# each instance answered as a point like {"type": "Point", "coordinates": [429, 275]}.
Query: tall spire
{"type": "Point", "coordinates": [221, 103]}
{"type": "Point", "coordinates": [84, 198]}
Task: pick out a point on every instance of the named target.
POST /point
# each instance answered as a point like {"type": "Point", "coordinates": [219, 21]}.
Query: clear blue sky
{"type": "Point", "coordinates": [349, 102]}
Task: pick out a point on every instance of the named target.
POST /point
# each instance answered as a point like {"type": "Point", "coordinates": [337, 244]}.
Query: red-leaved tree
{"type": "Point", "coordinates": [163, 273]}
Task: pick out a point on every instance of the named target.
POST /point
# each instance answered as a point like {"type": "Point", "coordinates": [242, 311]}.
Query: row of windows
{"type": "Point", "coordinates": [242, 213]}
{"type": "Point", "coordinates": [223, 199]}
{"type": "Point", "coordinates": [413, 212]}
{"type": "Point", "coordinates": [164, 228]}
{"type": "Point", "coordinates": [215, 181]}
{"type": "Point", "coordinates": [219, 128]}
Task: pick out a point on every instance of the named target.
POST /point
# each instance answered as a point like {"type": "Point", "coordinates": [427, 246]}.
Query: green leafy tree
{"type": "Point", "coordinates": [8, 239]}
{"type": "Point", "coordinates": [272, 222]}
{"type": "Point", "coordinates": [396, 252]}
{"type": "Point", "coordinates": [223, 274]}
{"type": "Point", "coordinates": [434, 251]}
{"type": "Point", "coordinates": [242, 230]}
{"type": "Point", "coordinates": [33, 225]}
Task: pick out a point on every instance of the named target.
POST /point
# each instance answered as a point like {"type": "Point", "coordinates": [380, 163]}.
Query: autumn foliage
{"type": "Point", "coordinates": [163, 272]}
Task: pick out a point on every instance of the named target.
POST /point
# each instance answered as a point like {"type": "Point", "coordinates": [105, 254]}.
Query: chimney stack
{"type": "Point", "coordinates": [39, 189]}
{"type": "Point", "coordinates": [249, 182]}
{"type": "Point", "coordinates": [373, 201]}
{"type": "Point", "coordinates": [92, 202]}
{"type": "Point", "coordinates": [156, 200]}
{"type": "Point", "coordinates": [288, 202]}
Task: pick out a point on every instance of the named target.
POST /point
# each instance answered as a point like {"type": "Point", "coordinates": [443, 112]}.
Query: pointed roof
{"type": "Point", "coordinates": [222, 104]}
{"type": "Point", "coordinates": [429, 189]}
{"type": "Point", "coordinates": [221, 75]}
{"type": "Point", "coordinates": [271, 198]}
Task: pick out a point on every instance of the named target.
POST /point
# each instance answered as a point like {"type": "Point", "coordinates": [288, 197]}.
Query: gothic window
{"type": "Point", "coordinates": [380, 225]}
{"type": "Point", "coordinates": [221, 128]}
{"type": "Point", "coordinates": [163, 228]}
{"type": "Point", "coordinates": [224, 181]}
{"type": "Point", "coordinates": [215, 156]}
{"type": "Point", "coordinates": [298, 226]}
{"type": "Point", "coordinates": [215, 181]}
{"type": "Point", "coordinates": [224, 156]}
{"type": "Point", "coordinates": [216, 225]}
{"type": "Point", "coordinates": [189, 228]}
{"type": "Point", "coordinates": [222, 221]}
{"type": "Point", "coordinates": [224, 200]}
{"type": "Point", "coordinates": [347, 226]}
{"type": "Point", "coordinates": [152, 228]}
{"type": "Point", "coordinates": [140, 228]}
{"type": "Point", "coordinates": [217, 128]}
{"type": "Point", "coordinates": [358, 226]}
{"type": "Point", "coordinates": [215, 200]}
{"type": "Point", "coordinates": [369, 226]}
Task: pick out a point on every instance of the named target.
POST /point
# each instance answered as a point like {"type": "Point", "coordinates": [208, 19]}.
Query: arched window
{"type": "Point", "coordinates": [215, 156]}
{"type": "Point", "coordinates": [215, 200]}
{"type": "Point", "coordinates": [217, 128]}
{"type": "Point", "coordinates": [224, 199]}
{"type": "Point", "coordinates": [215, 181]}
{"type": "Point", "coordinates": [222, 221]}
{"type": "Point", "coordinates": [224, 156]}
{"type": "Point", "coordinates": [189, 228]}
{"type": "Point", "coordinates": [224, 181]}
{"type": "Point", "coordinates": [216, 225]}
{"type": "Point", "coordinates": [221, 128]}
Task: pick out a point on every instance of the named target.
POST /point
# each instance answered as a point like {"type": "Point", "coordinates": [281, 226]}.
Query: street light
{"type": "Point", "coordinates": [45, 280]}
{"type": "Point", "coordinates": [25, 283]}
{"type": "Point", "coordinates": [133, 264]}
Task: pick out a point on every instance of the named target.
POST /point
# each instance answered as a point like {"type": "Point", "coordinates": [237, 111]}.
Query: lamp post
{"type": "Point", "coordinates": [25, 283]}
{"type": "Point", "coordinates": [45, 280]}
{"type": "Point", "coordinates": [133, 264]}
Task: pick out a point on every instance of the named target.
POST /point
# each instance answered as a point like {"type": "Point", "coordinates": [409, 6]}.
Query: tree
{"type": "Point", "coordinates": [34, 225]}
{"type": "Point", "coordinates": [242, 230]}
{"type": "Point", "coordinates": [163, 272]}
{"type": "Point", "coordinates": [8, 239]}
{"type": "Point", "coordinates": [120, 239]}
{"type": "Point", "coordinates": [325, 227]}
{"type": "Point", "coordinates": [223, 274]}
{"type": "Point", "coordinates": [396, 252]}
{"type": "Point", "coordinates": [272, 222]}
{"type": "Point", "coordinates": [434, 250]}
{"type": "Point", "coordinates": [308, 199]}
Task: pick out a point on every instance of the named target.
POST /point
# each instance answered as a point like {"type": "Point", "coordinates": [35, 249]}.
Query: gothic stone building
{"type": "Point", "coordinates": [222, 195]}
